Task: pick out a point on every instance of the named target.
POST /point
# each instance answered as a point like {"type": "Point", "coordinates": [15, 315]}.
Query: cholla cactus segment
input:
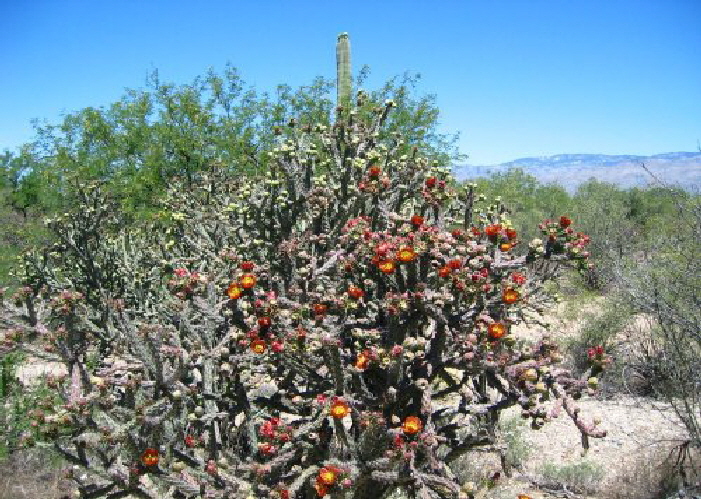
{"type": "Point", "coordinates": [312, 327]}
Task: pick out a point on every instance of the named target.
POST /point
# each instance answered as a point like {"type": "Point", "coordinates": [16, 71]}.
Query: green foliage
{"type": "Point", "coordinates": [529, 201]}
{"type": "Point", "coordinates": [20, 407]}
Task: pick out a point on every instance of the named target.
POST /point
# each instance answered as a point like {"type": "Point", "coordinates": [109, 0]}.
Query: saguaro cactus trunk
{"type": "Point", "coordinates": [343, 70]}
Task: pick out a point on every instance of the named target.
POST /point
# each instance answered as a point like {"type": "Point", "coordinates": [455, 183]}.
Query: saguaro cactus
{"type": "Point", "coordinates": [343, 70]}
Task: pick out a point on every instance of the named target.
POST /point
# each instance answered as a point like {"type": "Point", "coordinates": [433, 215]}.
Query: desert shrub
{"type": "Point", "coordinates": [580, 477]}
{"type": "Point", "coordinates": [285, 335]}
{"type": "Point", "coordinates": [666, 288]}
{"type": "Point", "coordinates": [602, 329]}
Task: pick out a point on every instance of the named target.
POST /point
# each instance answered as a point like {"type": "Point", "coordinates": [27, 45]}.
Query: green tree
{"type": "Point", "coordinates": [151, 136]}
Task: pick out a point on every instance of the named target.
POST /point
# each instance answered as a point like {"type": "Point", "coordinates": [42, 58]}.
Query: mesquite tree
{"type": "Point", "coordinates": [338, 327]}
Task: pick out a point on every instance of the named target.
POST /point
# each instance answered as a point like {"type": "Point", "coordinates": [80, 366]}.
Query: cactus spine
{"type": "Point", "coordinates": [343, 70]}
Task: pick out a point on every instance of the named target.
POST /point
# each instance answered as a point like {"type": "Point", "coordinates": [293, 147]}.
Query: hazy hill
{"type": "Point", "coordinates": [570, 170]}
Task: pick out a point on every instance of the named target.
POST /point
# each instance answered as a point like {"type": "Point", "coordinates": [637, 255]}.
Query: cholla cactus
{"type": "Point", "coordinates": [287, 336]}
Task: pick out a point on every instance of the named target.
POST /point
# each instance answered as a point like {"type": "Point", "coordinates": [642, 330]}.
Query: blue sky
{"type": "Point", "coordinates": [515, 78]}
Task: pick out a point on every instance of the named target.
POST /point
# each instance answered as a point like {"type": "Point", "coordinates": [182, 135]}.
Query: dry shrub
{"type": "Point", "coordinates": [652, 473]}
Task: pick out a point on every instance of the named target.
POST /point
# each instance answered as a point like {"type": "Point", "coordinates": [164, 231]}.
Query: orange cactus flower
{"type": "Point", "coordinates": [511, 234]}
{"type": "Point", "coordinates": [444, 271]}
{"type": "Point", "coordinates": [319, 309]}
{"type": "Point", "coordinates": [150, 457]}
{"type": "Point", "coordinates": [510, 296]}
{"type": "Point", "coordinates": [235, 291]}
{"type": "Point", "coordinates": [248, 266]}
{"type": "Point", "coordinates": [327, 475]}
{"type": "Point", "coordinates": [505, 247]}
{"type": "Point", "coordinates": [339, 410]}
{"type": "Point", "coordinates": [258, 346]}
{"type": "Point", "coordinates": [387, 266]}
{"type": "Point", "coordinates": [412, 425]}
{"type": "Point", "coordinates": [375, 171]}
{"type": "Point", "coordinates": [496, 330]}
{"type": "Point", "coordinates": [455, 264]}
{"type": "Point", "coordinates": [417, 220]}
{"type": "Point", "coordinates": [362, 361]}
{"type": "Point", "coordinates": [355, 292]}
{"type": "Point", "coordinates": [248, 281]}
{"type": "Point", "coordinates": [524, 496]}
{"type": "Point", "coordinates": [406, 255]}
{"type": "Point", "coordinates": [565, 222]}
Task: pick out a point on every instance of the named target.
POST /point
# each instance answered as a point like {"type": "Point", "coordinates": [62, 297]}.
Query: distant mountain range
{"type": "Point", "coordinates": [681, 169]}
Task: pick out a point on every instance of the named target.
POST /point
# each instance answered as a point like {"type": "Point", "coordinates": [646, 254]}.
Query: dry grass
{"type": "Point", "coordinates": [32, 474]}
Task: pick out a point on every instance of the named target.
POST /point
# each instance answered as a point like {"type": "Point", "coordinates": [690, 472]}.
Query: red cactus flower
{"type": "Point", "coordinates": [518, 278]}
{"type": "Point", "coordinates": [190, 441]}
{"type": "Point", "coordinates": [496, 330]}
{"type": "Point", "coordinates": [444, 271]}
{"type": "Point", "coordinates": [511, 234]}
{"type": "Point", "coordinates": [278, 346]}
{"type": "Point", "coordinates": [492, 231]}
{"type": "Point", "coordinates": [476, 232]}
{"type": "Point", "coordinates": [150, 457]}
{"type": "Point", "coordinates": [417, 220]}
{"type": "Point", "coordinates": [375, 171]}
{"type": "Point", "coordinates": [248, 281]}
{"type": "Point", "coordinates": [565, 222]}
{"type": "Point", "coordinates": [258, 346]}
{"type": "Point", "coordinates": [412, 425]}
{"type": "Point", "coordinates": [431, 182]}
{"type": "Point", "coordinates": [406, 255]}
{"type": "Point", "coordinates": [248, 266]}
{"type": "Point", "coordinates": [355, 292]}
{"type": "Point", "coordinates": [387, 266]}
{"type": "Point", "coordinates": [264, 322]}
{"type": "Point", "coordinates": [267, 449]}
{"type": "Point", "coordinates": [457, 233]}
{"type": "Point", "coordinates": [319, 309]}
{"type": "Point", "coordinates": [320, 488]}
{"type": "Point", "coordinates": [455, 264]}
{"type": "Point", "coordinates": [235, 291]}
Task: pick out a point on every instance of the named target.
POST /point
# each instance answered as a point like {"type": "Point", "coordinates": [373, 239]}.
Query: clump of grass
{"type": "Point", "coordinates": [517, 448]}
